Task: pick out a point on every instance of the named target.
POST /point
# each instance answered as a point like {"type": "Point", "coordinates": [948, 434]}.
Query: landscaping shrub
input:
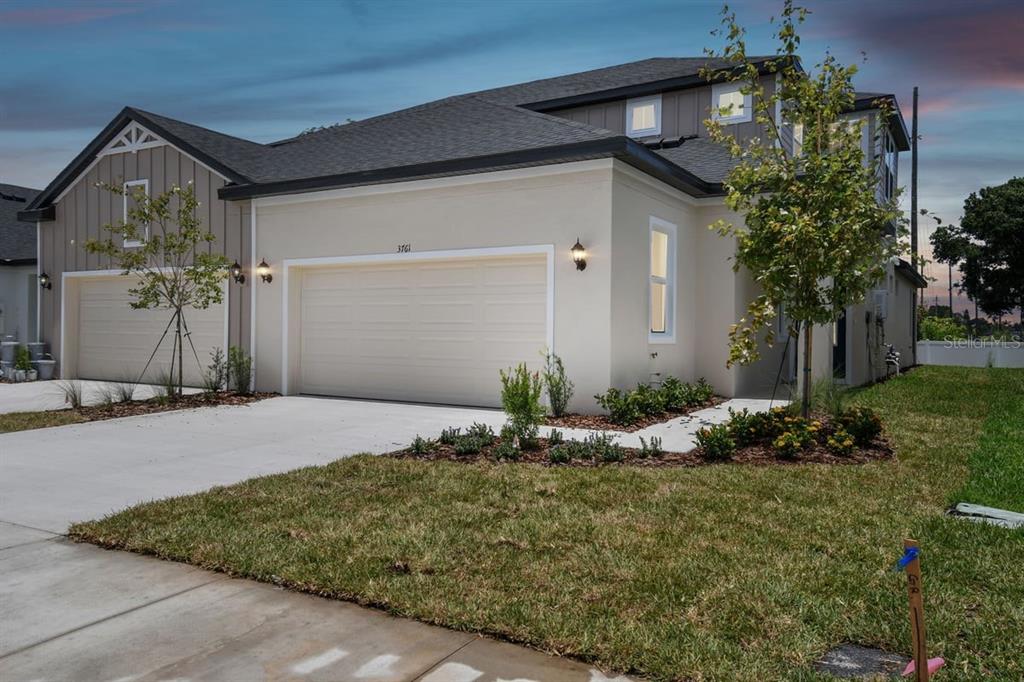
{"type": "Point", "coordinates": [829, 397]}
{"type": "Point", "coordinates": [468, 445]}
{"type": "Point", "coordinates": [559, 387]}
{"type": "Point", "coordinates": [675, 394]}
{"type": "Point", "coordinates": [797, 434]}
{"type": "Point", "coordinates": [840, 442]}
{"type": "Point", "coordinates": [701, 393]}
{"type": "Point", "coordinates": [601, 447]}
{"type": "Point", "coordinates": [22, 359]}
{"type": "Point", "coordinates": [166, 386]}
{"type": "Point", "coordinates": [72, 391]}
{"type": "Point", "coordinates": [651, 448]}
{"type": "Point", "coordinates": [215, 378]}
{"type": "Point", "coordinates": [748, 428]}
{"type": "Point", "coordinates": [482, 432]}
{"type": "Point", "coordinates": [450, 435]}
{"type": "Point", "coordinates": [716, 442]}
{"type": "Point", "coordinates": [421, 446]}
{"type": "Point", "coordinates": [649, 401]}
{"type": "Point", "coordinates": [621, 408]}
{"type": "Point", "coordinates": [555, 437]}
{"type": "Point", "coordinates": [239, 370]}
{"type": "Point", "coordinates": [506, 451]}
{"type": "Point", "coordinates": [560, 454]}
{"type": "Point", "coordinates": [124, 391]}
{"type": "Point", "coordinates": [862, 423]}
{"type": "Point", "coordinates": [520, 397]}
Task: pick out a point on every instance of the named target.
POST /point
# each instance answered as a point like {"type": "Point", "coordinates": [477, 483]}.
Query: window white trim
{"type": "Point", "coordinates": [133, 243]}
{"type": "Point", "coordinates": [669, 230]}
{"type": "Point", "coordinates": [632, 104]}
{"type": "Point", "coordinates": [719, 89]}
{"type": "Point", "coordinates": [448, 254]}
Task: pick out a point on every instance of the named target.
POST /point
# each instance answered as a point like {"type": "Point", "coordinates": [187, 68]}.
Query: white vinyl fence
{"type": "Point", "coordinates": [971, 353]}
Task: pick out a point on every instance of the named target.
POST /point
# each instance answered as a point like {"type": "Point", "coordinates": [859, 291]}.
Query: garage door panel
{"type": "Point", "coordinates": [115, 340]}
{"type": "Point", "coordinates": [431, 331]}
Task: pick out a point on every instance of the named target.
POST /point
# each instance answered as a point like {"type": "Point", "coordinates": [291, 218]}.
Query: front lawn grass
{"type": "Point", "coordinates": [24, 421]}
{"type": "Point", "coordinates": [713, 572]}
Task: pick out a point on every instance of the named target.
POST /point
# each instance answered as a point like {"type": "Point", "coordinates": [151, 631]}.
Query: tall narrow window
{"type": "Point", "coordinates": [643, 116]}
{"type": "Point", "coordinates": [131, 188]}
{"type": "Point", "coordinates": [662, 281]}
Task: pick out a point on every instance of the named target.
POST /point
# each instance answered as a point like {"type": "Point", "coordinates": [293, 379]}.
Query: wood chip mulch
{"type": "Point", "coordinates": [752, 456]}
{"type": "Point", "coordinates": [153, 405]}
{"type": "Point", "coordinates": [600, 422]}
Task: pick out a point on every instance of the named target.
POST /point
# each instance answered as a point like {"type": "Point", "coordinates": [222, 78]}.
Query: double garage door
{"type": "Point", "coordinates": [424, 331]}
{"type": "Point", "coordinates": [115, 341]}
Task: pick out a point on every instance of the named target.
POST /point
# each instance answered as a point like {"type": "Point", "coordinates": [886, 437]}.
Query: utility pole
{"type": "Point", "coordinates": [951, 290]}
{"type": "Point", "coordinates": [913, 221]}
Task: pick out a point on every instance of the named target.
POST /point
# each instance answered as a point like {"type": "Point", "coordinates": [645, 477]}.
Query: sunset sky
{"type": "Point", "coordinates": [265, 70]}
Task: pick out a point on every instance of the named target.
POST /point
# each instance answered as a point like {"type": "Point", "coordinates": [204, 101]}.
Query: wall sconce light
{"type": "Point", "coordinates": [44, 281]}
{"type": "Point", "coordinates": [579, 255]}
{"type": "Point", "coordinates": [263, 270]}
{"type": "Point", "coordinates": [236, 273]}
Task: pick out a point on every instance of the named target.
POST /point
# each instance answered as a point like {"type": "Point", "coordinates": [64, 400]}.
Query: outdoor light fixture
{"type": "Point", "coordinates": [44, 281]}
{"type": "Point", "coordinates": [579, 255]}
{"type": "Point", "coordinates": [236, 272]}
{"type": "Point", "coordinates": [263, 270]}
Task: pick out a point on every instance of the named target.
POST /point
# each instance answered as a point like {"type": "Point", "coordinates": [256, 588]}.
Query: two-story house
{"type": "Point", "coordinates": [412, 255]}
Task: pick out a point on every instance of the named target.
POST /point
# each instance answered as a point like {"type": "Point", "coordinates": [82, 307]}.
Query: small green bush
{"type": "Point", "coordinates": [621, 408]}
{"type": "Point", "coordinates": [601, 447]}
{"type": "Point", "coordinates": [555, 437]}
{"type": "Point", "coordinates": [239, 370]}
{"type": "Point", "coordinates": [559, 387]}
{"type": "Point", "coordinates": [675, 394]}
{"type": "Point", "coordinates": [421, 446]}
{"type": "Point", "coordinates": [215, 378]}
{"type": "Point", "coordinates": [789, 444]}
{"type": "Point", "coordinates": [520, 397]}
{"type": "Point", "coordinates": [482, 432]}
{"type": "Point", "coordinates": [651, 448]}
{"type": "Point", "coordinates": [22, 359]}
{"type": "Point", "coordinates": [702, 392]}
{"type": "Point", "coordinates": [840, 442]}
{"type": "Point", "coordinates": [862, 423]}
{"type": "Point", "coordinates": [506, 451]}
{"type": "Point", "coordinates": [649, 401]}
{"type": "Point", "coordinates": [716, 443]}
{"type": "Point", "coordinates": [468, 445]}
{"type": "Point", "coordinates": [449, 436]}
{"type": "Point", "coordinates": [560, 454]}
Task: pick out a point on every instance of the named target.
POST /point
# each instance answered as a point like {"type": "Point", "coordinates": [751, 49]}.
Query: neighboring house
{"type": "Point", "coordinates": [18, 284]}
{"type": "Point", "coordinates": [414, 254]}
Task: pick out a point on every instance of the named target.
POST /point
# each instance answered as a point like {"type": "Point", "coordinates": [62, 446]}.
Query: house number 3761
{"type": "Point", "coordinates": [404, 248]}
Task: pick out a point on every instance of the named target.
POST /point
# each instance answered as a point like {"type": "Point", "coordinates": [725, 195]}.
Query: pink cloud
{"type": "Point", "coordinates": [63, 16]}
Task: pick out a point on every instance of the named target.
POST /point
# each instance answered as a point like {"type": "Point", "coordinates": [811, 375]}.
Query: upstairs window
{"type": "Point", "coordinates": [729, 104]}
{"type": "Point", "coordinates": [662, 282]}
{"type": "Point", "coordinates": [643, 116]}
{"type": "Point", "coordinates": [888, 165]}
{"type": "Point", "coordinates": [131, 188]}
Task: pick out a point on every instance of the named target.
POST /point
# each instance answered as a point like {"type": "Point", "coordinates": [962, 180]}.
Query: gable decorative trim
{"type": "Point", "coordinates": [133, 138]}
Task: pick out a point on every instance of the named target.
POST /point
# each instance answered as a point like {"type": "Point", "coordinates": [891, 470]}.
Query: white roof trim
{"type": "Point", "coordinates": [132, 138]}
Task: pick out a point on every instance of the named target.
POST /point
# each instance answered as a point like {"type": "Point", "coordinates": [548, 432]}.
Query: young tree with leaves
{"type": "Point", "coordinates": [815, 236]}
{"type": "Point", "coordinates": [175, 269]}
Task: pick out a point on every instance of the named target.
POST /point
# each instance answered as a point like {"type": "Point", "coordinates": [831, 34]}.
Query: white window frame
{"type": "Point", "coordinates": [669, 230]}
{"type": "Point", "coordinates": [719, 89]}
{"type": "Point", "coordinates": [133, 243]}
{"type": "Point", "coordinates": [640, 102]}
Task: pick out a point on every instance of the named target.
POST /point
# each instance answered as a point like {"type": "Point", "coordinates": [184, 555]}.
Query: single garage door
{"type": "Point", "coordinates": [432, 331]}
{"type": "Point", "coordinates": [115, 341]}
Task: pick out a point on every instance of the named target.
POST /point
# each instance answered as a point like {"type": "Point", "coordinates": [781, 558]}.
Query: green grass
{"type": "Point", "coordinates": [717, 572]}
{"type": "Point", "coordinates": [24, 421]}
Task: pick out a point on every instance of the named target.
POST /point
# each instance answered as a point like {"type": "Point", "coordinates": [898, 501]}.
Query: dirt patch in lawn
{"type": "Point", "coordinates": [600, 422]}
{"type": "Point", "coordinates": [756, 455]}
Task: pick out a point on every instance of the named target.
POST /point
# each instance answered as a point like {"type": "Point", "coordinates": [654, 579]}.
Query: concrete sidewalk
{"type": "Point", "coordinates": [77, 613]}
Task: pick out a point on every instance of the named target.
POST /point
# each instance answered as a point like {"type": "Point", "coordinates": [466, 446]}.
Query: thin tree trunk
{"type": "Point", "coordinates": [805, 404]}
{"type": "Point", "coordinates": [181, 351]}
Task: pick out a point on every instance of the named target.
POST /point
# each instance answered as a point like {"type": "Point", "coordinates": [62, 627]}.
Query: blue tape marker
{"type": "Point", "coordinates": [909, 554]}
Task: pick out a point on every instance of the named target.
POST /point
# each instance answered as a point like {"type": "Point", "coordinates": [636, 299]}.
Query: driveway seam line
{"type": "Point", "coordinates": [439, 662]}
{"type": "Point", "coordinates": [41, 530]}
{"type": "Point", "coordinates": [30, 542]}
{"type": "Point", "coordinates": [110, 617]}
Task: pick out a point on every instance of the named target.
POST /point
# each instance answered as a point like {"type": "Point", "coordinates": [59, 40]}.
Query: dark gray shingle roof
{"type": "Point", "coordinates": [708, 160]}
{"type": "Point", "coordinates": [17, 239]}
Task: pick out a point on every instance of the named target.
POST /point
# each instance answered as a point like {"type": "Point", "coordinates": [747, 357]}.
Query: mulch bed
{"type": "Point", "coordinates": [152, 405]}
{"type": "Point", "coordinates": [600, 422]}
{"type": "Point", "coordinates": [755, 455]}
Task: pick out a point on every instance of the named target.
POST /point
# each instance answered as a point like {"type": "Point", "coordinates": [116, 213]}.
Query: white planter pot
{"type": "Point", "coordinates": [31, 375]}
{"type": "Point", "coordinates": [19, 375]}
{"type": "Point", "coordinates": [45, 368]}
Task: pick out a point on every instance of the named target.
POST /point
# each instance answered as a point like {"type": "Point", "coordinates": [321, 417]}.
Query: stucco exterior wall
{"type": "Point", "coordinates": [552, 205]}
{"type": "Point", "coordinates": [18, 291]}
{"type": "Point", "coordinates": [85, 208]}
{"type": "Point", "coordinates": [867, 339]}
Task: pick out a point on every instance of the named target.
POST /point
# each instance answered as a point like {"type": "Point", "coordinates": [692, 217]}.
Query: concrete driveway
{"type": "Point", "coordinates": [78, 613]}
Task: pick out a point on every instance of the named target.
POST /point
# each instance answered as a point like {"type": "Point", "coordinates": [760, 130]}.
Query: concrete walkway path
{"type": "Point", "coordinates": [44, 396]}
